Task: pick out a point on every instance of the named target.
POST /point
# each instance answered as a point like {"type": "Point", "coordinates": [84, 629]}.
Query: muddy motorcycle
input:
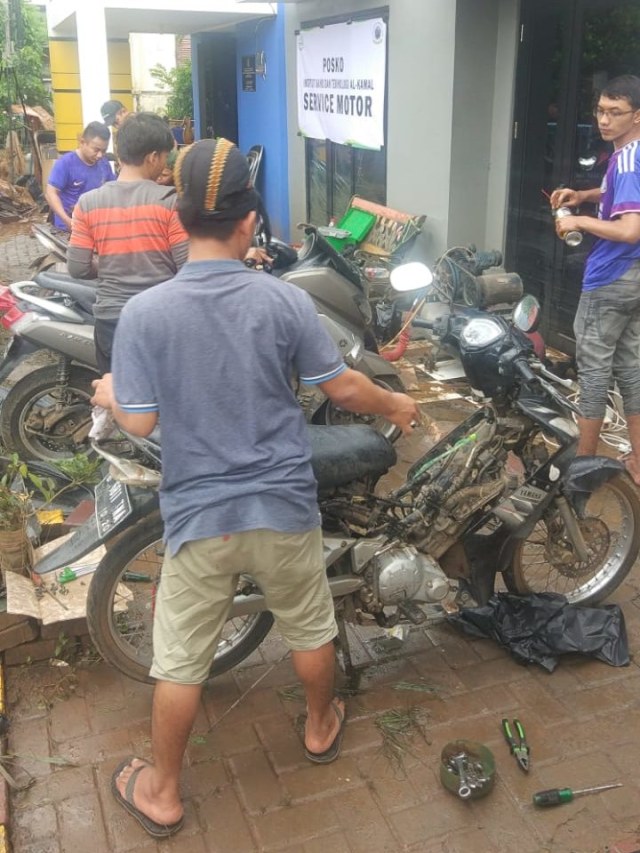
{"type": "Point", "coordinates": [47, 415]}
{"type": "Point", "coordinates": [465, 514]}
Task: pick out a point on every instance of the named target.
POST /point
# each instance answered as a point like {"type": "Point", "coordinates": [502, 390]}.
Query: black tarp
{"type": "Point", "coordinates": [538, 628]}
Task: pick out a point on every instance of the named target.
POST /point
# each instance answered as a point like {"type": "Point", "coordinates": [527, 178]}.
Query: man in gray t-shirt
{"type": "Point", "coordinates": [211, 354]}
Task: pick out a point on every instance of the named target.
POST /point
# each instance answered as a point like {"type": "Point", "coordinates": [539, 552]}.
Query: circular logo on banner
{"type": "Point", "coordinates": [378, 33]}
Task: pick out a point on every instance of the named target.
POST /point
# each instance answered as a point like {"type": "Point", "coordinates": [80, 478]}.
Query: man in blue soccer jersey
{"type": "Point", "coordinates": [607, 323]}
{"type": "Point", "coordinates": [77, 172]}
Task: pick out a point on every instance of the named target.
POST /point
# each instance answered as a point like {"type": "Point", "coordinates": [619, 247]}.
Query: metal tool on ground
{"type": "Point", "coordinates": [559, 796]}
{"type": "Point", "coordinates": [519, 747]}
{"type": "Point", "coordinates": [467, 769]}
{"type": "Point", "coordinates": [68, 574]}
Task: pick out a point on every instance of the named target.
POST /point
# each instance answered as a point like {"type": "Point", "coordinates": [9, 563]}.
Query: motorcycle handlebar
{"type": "Point", "coordinates": [525, 371]}
{"type": "Point", "coordinates": [530, 377]}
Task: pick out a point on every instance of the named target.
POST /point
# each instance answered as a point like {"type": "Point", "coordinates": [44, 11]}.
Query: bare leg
{"type": "Point", "coordinates": [589, 435]}
{"type": "Point", "coordinates": [316, 670]}
{"type": "Point", "coordinates": [156, 791]}
{"type": "Point", "coordinates": [632, 462]}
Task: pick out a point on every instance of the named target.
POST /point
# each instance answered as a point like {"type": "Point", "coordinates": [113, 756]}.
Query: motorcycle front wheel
{"type": "Point", "coordinates": [546, 561]}
{"type": "Point", "coordinates": [39, 417]}
{"type": "Point", "coordinates": [121, 603]}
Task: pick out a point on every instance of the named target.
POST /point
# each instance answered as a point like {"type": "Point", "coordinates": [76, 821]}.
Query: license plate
{"type": "Point", "coordinates": [113, 505]}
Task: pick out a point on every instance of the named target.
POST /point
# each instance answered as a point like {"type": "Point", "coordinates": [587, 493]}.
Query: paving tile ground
{"type": "Point", "coordinates": [248, 788]}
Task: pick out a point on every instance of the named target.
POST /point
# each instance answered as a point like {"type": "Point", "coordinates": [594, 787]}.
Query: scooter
{"type": "Point", "coordinates": [47, 415]}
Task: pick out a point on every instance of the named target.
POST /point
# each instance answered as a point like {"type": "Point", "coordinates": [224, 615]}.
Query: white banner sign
{"type": "Point", "coordinates": [341, 82]}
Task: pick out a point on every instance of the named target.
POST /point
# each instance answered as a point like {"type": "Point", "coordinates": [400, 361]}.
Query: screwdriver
{"type": "Point", "coordinates": [558, 796]}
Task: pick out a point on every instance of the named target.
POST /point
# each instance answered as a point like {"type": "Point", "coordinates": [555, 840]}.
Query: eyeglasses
{"type": "Point", "coordinates": [600, 113]}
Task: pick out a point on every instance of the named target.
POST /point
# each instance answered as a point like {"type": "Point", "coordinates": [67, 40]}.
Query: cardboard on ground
{"type": "Point", "coordinates": [21, 595]}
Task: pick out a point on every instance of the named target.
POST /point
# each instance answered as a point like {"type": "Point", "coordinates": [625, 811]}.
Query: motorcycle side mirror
{"type": "Point", "coordinates": [413, 276]}
{"type": "Point", "coordinates": [526, 314]}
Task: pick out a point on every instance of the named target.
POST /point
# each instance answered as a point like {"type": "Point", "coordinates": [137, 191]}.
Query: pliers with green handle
{"type": "Point", "coordinates": [519, 748]}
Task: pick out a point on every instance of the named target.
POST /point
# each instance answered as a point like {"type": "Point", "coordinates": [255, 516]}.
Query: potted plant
{"type": "Point", "coordinates": [15, 508]}
{"type": "Point", "coordinates": [24, 493]}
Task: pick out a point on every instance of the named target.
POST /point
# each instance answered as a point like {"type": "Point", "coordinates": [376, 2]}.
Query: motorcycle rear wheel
{"type": "Point", "coordinates": [31, 397]}
{"type": "Point", "coordinates": [544, 561]}
{"type": "Point", "coordinates": [331, 415]}
{"type": "Point", "coordinates": [121, 602]}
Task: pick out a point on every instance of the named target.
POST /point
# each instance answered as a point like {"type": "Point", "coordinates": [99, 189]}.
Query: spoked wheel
{"type": "Point", "coordinates": [546, 560]}
{"type": "Point", "coordinates": [41, 419]}
{"type": "Point", "coordinates": [332, 415]}
{"type": "Point", "coordinates": [121, 605]}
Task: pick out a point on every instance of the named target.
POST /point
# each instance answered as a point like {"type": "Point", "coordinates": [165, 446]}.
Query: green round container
{"type": "Point", "coordinates": [478, 753]}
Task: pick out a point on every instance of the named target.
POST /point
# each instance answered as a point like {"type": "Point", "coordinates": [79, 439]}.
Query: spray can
{"type": "Point", "coordinates": [571, 238]}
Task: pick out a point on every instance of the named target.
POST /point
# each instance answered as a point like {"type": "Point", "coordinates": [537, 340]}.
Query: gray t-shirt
{"type": "Point", "coordinates": [213, 351]}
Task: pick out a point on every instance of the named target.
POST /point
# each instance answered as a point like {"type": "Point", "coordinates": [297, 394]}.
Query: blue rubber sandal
{"type": "Point", "coordinates": [157, 830]}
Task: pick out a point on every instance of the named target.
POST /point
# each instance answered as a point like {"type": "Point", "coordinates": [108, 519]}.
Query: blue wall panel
{"type": "Point", "coordinates": [262, 115]}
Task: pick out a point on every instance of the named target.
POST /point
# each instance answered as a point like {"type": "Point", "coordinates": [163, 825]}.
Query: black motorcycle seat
{"type": "Point", "coordinates": [79, 290]}
{"type": "Point", "coordinates": [339, 454]}
{"type": "Point", "coordinates": [342, 454]}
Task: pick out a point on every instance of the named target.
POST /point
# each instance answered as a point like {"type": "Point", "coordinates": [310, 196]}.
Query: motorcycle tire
{"type": "Point", "coordinates": [22, 400]}
{"type": "Point", "coordinates": [331, 415]}
{"type": "Point", "coordinates": [544, 562]}
{"type": "Point", "coordinates": [120, 607]}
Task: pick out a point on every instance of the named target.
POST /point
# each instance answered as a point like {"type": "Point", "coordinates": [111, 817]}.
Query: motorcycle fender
{"type": "Point", "coordinates": [245, 605]}
{"type": "Point", "coordinates": [555, 421]}
{"type": "Point", "coordinates": [18, 350]}
{"type": "Point", "coordinates": [584, 475]}
{"type": "Point", "coordinates": [87, 537]}
{"type": "Point", "coordinates": [375, 367]}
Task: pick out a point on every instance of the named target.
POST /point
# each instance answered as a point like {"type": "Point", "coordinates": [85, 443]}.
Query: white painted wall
{"type": "Point", "coordinates": [148, 50]}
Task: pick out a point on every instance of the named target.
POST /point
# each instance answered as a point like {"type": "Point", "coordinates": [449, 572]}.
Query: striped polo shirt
{"type": "Point", "coordinates": [609, 260]}
{"type": "Point", "coordinates": [134, 229]}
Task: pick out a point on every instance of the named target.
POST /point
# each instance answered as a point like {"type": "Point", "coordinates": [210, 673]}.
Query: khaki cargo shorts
{"type": "Point", "coordinates": [197, 588]}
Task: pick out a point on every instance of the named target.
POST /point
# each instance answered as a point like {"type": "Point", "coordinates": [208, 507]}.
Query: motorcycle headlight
{"type": "Point", "coordinates": [480, 332]}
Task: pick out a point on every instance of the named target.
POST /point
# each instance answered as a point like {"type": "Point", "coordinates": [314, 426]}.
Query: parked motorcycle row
{"type": "Point", "coordinates": [501, 495]}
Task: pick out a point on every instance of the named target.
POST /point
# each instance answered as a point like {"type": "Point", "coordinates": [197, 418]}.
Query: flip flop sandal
{"type": "Point", "coordinates": [332, 752]}
{"type": "Point", "coordinates": [157, 830]}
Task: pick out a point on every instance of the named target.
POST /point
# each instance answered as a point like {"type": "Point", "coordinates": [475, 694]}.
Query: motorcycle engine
{"type": "Point", "coordinates": [403, 574]}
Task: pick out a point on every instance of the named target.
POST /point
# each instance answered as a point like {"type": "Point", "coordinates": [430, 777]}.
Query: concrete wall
{"type": "Point", "coordinates": [475, 63]}
{"type": "Point", "coordinates": [420, 110]}
{"type": "Point", "coordinates": [486, 42]}
{"type": "Point", "coordinates": [507, 44]}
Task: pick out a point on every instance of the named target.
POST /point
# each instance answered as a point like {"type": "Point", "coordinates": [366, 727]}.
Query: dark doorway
{"type": "Point", "coordinates": [219, 90]}
{"type": "Point", "coordinates": [568, 51]}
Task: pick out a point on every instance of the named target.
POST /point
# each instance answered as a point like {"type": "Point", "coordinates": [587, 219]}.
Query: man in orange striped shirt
{"type": "Point", "coordinates": [131, 225]}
